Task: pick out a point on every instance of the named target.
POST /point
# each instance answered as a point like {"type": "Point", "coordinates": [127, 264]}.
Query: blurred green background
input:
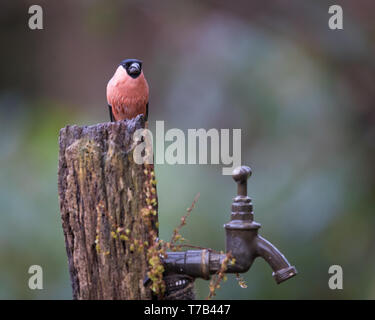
{"type": "Point", "coordinates": [302, 94]}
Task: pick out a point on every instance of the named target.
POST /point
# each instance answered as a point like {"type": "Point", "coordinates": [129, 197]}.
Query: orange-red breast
{"type": "Point", "coordinates": [127, 91]}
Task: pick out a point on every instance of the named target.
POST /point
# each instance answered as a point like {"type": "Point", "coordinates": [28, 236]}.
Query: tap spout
{"type": "Point", "coordinates": [282, 270]}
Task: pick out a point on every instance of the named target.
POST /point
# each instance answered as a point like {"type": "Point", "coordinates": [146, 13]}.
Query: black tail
{"type": "Point", "coordinates": [111, 113]}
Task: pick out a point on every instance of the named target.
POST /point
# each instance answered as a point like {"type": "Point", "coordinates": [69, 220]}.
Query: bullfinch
{"type": "Point", "coordinates": [127, 91]}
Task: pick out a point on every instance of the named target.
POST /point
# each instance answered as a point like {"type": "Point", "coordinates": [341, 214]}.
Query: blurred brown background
{"type": "Point", "coordinates": [302, 94]}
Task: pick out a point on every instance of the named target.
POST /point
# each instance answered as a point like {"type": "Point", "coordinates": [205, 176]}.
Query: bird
{"type": "Point", "coordinates": [128, 91]}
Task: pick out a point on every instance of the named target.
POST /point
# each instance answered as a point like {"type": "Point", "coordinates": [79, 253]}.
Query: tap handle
{"type": "Point", "coordinates": [240, 175]}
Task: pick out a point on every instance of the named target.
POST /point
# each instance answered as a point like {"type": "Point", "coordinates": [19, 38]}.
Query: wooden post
{"type": "Point", "coordinates": [102, 192]}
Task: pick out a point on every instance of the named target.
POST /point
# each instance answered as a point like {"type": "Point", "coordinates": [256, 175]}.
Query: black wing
{"type": "Point", "coordinates": [146, 117]}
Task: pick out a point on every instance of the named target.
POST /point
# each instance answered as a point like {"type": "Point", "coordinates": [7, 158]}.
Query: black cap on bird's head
{"type": "Point", "coordinates": [132, 66]}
